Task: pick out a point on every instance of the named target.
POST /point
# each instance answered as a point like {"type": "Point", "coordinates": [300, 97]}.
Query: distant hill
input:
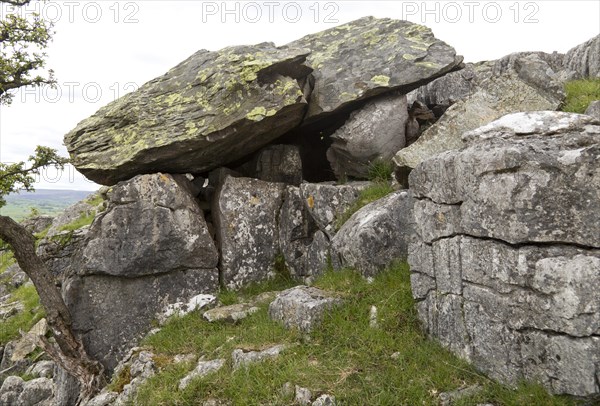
{"type": "Point", "coordinates": [46, 201]}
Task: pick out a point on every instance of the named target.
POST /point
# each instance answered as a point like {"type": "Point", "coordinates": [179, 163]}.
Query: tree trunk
{"type": "Point", "coordinates": [68, 352]}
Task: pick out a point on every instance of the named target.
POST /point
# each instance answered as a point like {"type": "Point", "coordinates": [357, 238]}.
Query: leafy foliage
{"type": "Point", "coordinates": [22, 41]}
{"type": "Point", "coordinates": [21, 176]}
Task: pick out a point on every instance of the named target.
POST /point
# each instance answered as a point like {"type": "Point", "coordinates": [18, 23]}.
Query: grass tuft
{"type": "Point", "coordinates": [580, 93]}
{"type": "Point", "coordinates": [380, 171]}
{"type": "Point", "coordinates": [345, 357]}
{"type": "Point", "coordinates": [372, 193]}
{"type": "Point", "coordinates": [22, 321]}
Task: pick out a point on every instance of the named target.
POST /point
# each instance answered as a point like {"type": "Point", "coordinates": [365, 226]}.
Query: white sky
{"type": "Point", "coordinates": [103, 49]}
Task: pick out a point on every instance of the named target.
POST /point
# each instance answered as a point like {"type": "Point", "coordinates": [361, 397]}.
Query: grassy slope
{"type": "Point", "coordinates": [48, 202]}
{"type": "Point", "coordinates": [345, 357]}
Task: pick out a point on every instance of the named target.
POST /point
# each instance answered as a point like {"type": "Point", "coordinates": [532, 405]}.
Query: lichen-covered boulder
{"type": "Point", "coordinates": [152, 225]}
{"type": "Point", "coordinates": [375, 132]}
{"type": "Point", "coordinates": [211, 109]}
{"type": "Point", "coordinates": [304, 247]}
{"type": "Point", "coordinates": [507, 261]}
{"type": "Point", "coordinates": [515, 83]}
{"type": "Point", "coordinates": [246, 219]}
{"type": "Point", "coordinates": [148, 249]}
{"type": "Point", "coordinates": [327, 202]}
{"type": "Point", "coordinates": [376, 235]}
{"type": "Point", "coordinates": [370, 56]}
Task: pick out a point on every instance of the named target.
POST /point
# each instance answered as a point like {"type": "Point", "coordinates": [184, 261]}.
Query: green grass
{"type": "Point", "coordinates": [32, 313]}
{"type": "Point", "coordinates": [82, 221]}
{"type": "Point", "coordinates": [374, 192]}
{"type": "Point", "coordinates": [344, 357]}
{"type": "Point", "coordinates": [580, 93]}
{"type": "Point", "coordinates": [380, 171]}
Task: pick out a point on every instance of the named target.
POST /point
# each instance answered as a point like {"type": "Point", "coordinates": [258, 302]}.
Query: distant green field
{"type": "Point", "coordinates": [46, 201]}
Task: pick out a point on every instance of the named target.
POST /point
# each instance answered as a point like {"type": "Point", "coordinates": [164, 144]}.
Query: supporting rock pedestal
{"type": "Point", "coordinates": [506, 269]}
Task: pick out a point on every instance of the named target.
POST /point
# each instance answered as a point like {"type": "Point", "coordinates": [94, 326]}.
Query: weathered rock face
{"type": "Point", "coordinates": [152, 239]}
{"type": "Point", "coordinates": [245, 216]}
{"type": "Point", "coordinates": [374, 132]}
{"type": "Point", "coordinates": [508, 258]}
{"type": "Point", "coordinates": [304, 247]}
{"type": "Point", "coordinates": [371, 56]}
{"type": "Point", "coordinates": [585, 58]}
{"type": "Point", "coordinates": [494, 98]}
{"type": "Point", "coordinates": [302, 307]}
{"type": "Point", "coordinates": [326, 202]}
{"type": "Point", "coordinates": [594, 109]}
{"type": "Point", "coordinates": [528, 81]}
{"type": "Point", "coordinates": [152, 226]}
{"type": "Point", "coordinates": [170, 124]}
{"type": "Point", "coordinates": [376, 235]}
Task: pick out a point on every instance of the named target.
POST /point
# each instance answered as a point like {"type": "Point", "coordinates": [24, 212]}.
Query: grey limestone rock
{"type": "Point", "coordinates": [374, 132]}
{"type": "Point", "coordinates": [375, 235]}
{"type": "Point", "coordinates": [302, 307]}
{"type": "Point", "coordinates": [246, 218]}
{"type": "Point", "coordinates": [507, 260]}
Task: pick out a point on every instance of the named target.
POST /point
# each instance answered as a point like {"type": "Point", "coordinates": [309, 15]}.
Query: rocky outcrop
{"type": "Point", "coordinates": [508, 256]}
{"type": "Point", "coordinates": [585, 58]}
{"type": "Point", "coordinates": [260, 93]}
{"type": "Point", "coordinates": [375, 132]}
{"type": "Point", "coordinates": [170, 124]}
{"type": "Point", "coordinates": [245, 215]}
{"type": "Point", "coordinates": [375, 235]}
{"type": "Point", "coordinates": [302, 307]}
{"type": "Point", "coordinates": [516, 83]}
{"type": "Point", "coordinates": [371, 56]}
{"type": "Point", "coordinates": [152, 238]}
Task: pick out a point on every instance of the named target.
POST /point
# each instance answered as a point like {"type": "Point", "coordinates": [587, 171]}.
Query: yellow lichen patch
{"type": "Point", "coordinates": [254, 200]}
{"type": "Point", "coordinates": [409, 57]}
{"type": "Point", "coordinates": [311, 202]}
{"type": "Point", "coordinates": [345, 96]}
{"type": "Point", "coordinates": [257, 114]}
{"type": "Point", "coordinates": [426, 64]}
{"type": "Point", "coordinates": [381, 80]}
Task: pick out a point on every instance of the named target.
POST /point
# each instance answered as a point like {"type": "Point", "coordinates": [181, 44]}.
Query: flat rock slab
{"type": "Point", "coordinates": [243, 359]}
{"type": "Point", "coordinates": [211, 109]}
{"type": "Point", "coordinates": [232, 313]}
{"type": "Point", "coordinates": [202, 369]}
{"type": "Point", "coordinates": [302, 307]}
{"type": "Point", "coordinates": [371, 56]}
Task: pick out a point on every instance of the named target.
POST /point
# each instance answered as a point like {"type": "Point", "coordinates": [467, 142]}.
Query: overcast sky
{"type": "Point", "coordinates": [103, 49]}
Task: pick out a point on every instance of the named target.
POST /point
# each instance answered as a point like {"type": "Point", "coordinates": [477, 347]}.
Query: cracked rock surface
{"type": "Point", "coordinates": [507, 263]}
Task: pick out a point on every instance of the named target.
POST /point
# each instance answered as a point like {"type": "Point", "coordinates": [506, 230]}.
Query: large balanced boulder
{"type": "Point", "coordinates": [370, 56]}
{"type": "Point", "coordinates": [148, 249]}
{"type": "Point", "coordinates": [212, 109]}
{"type": "Point", "coordinates": [507, 260]}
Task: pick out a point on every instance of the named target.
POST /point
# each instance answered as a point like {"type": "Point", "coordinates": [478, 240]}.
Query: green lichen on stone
{"type": "Point", "coordinates": [381, 80]}
{"type": "Point", "coordinates": [426, 64]}
{"type": "Point", "coordinates": [257, 114]}
{"type": "Point", "coordinates": [409, 57]}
